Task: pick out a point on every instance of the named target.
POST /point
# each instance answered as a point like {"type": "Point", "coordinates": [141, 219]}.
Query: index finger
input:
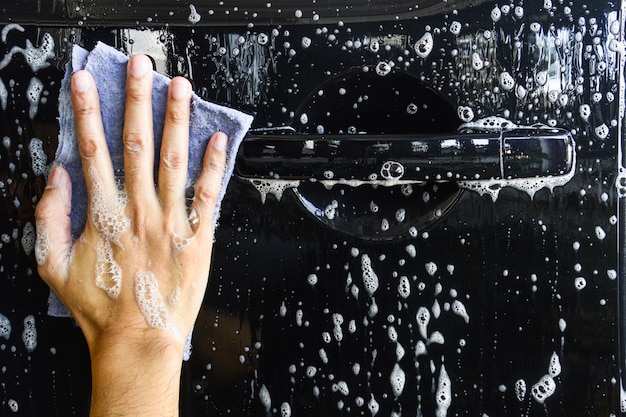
{"type": "Point", "coordinates": [92, 145]}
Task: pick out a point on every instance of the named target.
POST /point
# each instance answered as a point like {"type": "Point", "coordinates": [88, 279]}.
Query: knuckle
{"type": "Point", "coordinates": [134, 141]}
{"type": "Point", "coordinates": [88, 147]}
{"type": "Point", "coordinates": [137, 93]}
{"type": "Point", "coordinates": [177, 116]}
{"type": "Point", "coordinates": [85, 108]}
{"type": "Point", "coordinates": [172, 160]}
{"type": "Point", "coordinates": [132, 173]}
{"type": "Point", "coordinates": [206, 195]}
{"type": "Point", "coordinates": [215, 166]}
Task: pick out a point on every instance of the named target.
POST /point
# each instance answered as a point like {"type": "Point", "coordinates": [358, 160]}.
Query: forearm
{"type": "Point", "coordinates": [135, 382]}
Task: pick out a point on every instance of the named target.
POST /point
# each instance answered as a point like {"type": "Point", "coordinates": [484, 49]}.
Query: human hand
{"type": "Point", "coordinates": [135, 279]}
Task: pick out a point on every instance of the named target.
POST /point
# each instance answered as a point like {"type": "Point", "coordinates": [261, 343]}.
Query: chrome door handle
{"type": "Point", "coordinates": [465, 155]}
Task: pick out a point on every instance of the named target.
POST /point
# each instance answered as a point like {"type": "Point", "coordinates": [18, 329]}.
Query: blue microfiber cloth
{"type": "Point", "coordinates": [108, 68]}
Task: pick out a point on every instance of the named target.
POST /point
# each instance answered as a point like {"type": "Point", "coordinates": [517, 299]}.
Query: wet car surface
{"type": "Point", "coordinates": [461, 272]}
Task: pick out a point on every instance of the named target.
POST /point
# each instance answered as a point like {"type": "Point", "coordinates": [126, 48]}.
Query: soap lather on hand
{"type": "Point", "coordinates": [108, 68]}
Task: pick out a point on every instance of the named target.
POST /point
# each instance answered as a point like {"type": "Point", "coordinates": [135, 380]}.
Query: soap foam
{"type": "Point", "coordinates": [266, 399]}
{"type": "Point", "coordinates": [151, 302]}
{"type": "Point", "coordinates": [420, 348]}
{"type": "Point", "coordinates": [459, 309]}
{"type": "Point", "coordinates": [13, 405]}
{"type": "Point", "coordinates": [543, 389]}
{"type": "Point", "coordinates": [423, 318]}
{"type": "Point", "coordinates": [436, 337]}
{"type": "Point", "coordinates": [109, 220]}
{"type": "Point", "coordinates": [404, 287]}
{"type": "Point", "coordinates": [108, 272]}
{"type": "Point", "coordinates": [528, 185]}
{"type": "Point", "coordinates": [38, 157]}
{"type": "Point", "coordinates": [580, 283]}
{"type": "Point", "coordinates": [29, 335]}
{"type": "Point", "coordinates": [424, 45]}
{"type": "Point", "coordinates": [431, 268]}
{"type": "Point", "coordinates": [275, 187]}
{"type": "Point", "coordinates": [285, 410]}
{"type": "Point", "coordinates": [520, 389]}
{"type": "Point", "coordinates": [370, 279]}
{"type": "Point", "coordinates": [6, 29]}
{"type": "Point", "coordinates": [444, 394]}
{"type": "Point", "coordinates": [28, 238]}
{"type": "Point", "coordinates": [5, 327]}
{"type": "Point", "coordinates": [194, 17]}
{"type": "Point", "coordinates": [337, 331]}
{"type": "Point", "coordinates": [4, 95]}
{"type": "Point", "coordinates": [33, 94]}
{"type": "Point", "coordinates": [174, 298]}
{"type": "Point", "coordinates": [180, 243]}
{"type": "Point", "coordinates": [400, 352]}
{"type": "Point", "coordinates": [42, 243]}
{"type": "Point", "coordinates": [36, 58]}
{"type": "Point", "coordinates": [107, 214]}
{"type": "Point", "coordinates": [554, 369]}
{"type": "Point", "coordinates": [373, 405]}
{"type": "Point", "coordinates": [341, 387]}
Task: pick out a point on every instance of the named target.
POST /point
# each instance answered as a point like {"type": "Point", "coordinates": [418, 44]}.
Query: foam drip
{"type": "Point", "coordinates": [444, 394]}
{"type": "Point", "coordinates": [107, 214]}
{"type": "Point", "coordinates": [180, 243]}
{"type": "Point", "coordinates": [397, 379]}
{"type": "Point", "coordinates": [275, 187]}
{"type": "Point", "coordinates": [492, 186]}
{"type": "Point", "coordinates": [530, 186]}
{"type": "Point", "coordinates": [459, 309]}
{"type": "Point", "coordinates": [108, 272]}
{"type": "Point", "coordinates": [151, 302]}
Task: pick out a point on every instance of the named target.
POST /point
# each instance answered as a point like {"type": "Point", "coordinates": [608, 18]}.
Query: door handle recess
{"type": "Point", "coordinates": [465, 155]}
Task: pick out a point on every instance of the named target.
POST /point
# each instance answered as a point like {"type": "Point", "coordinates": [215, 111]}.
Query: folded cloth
{"type": "Point", "coordinates": [108, 68]}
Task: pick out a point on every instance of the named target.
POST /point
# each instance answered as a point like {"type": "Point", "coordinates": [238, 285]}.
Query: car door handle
{"type": "Point", "coordinates": [464, 155]}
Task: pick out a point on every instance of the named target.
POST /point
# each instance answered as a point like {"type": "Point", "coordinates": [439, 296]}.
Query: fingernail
{"type": "Point", "coordinates": [180, 88]}
{"type": "Point", "coordinates": [54, 178]}
{"type": "Point", "coordinates": [139, 66]}
{"type": "Point", "coordinates": [81, 82]}
{"type": "Point", "coordinates": [55, 182]}
{"type": "Point", "coordinates": [220, 141]}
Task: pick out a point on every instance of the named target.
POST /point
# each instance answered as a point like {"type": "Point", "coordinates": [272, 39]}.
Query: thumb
{"type": "Point", "coordinates": [54, 231]}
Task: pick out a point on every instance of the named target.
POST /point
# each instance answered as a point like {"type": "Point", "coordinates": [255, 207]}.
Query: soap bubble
{"type": "Point", "coordinates": [29, 335]}
{"type": "Point", "coordinates": [194, 16]}
{"type": "Point", "coordinates": [424, 46]}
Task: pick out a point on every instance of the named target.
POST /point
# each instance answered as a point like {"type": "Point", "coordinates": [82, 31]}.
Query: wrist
{"type": "Point", "coordinates": [136, 377]}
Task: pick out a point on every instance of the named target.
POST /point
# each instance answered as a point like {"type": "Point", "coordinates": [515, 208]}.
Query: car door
{"type": "Point", "coordinates": [425, 219]}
